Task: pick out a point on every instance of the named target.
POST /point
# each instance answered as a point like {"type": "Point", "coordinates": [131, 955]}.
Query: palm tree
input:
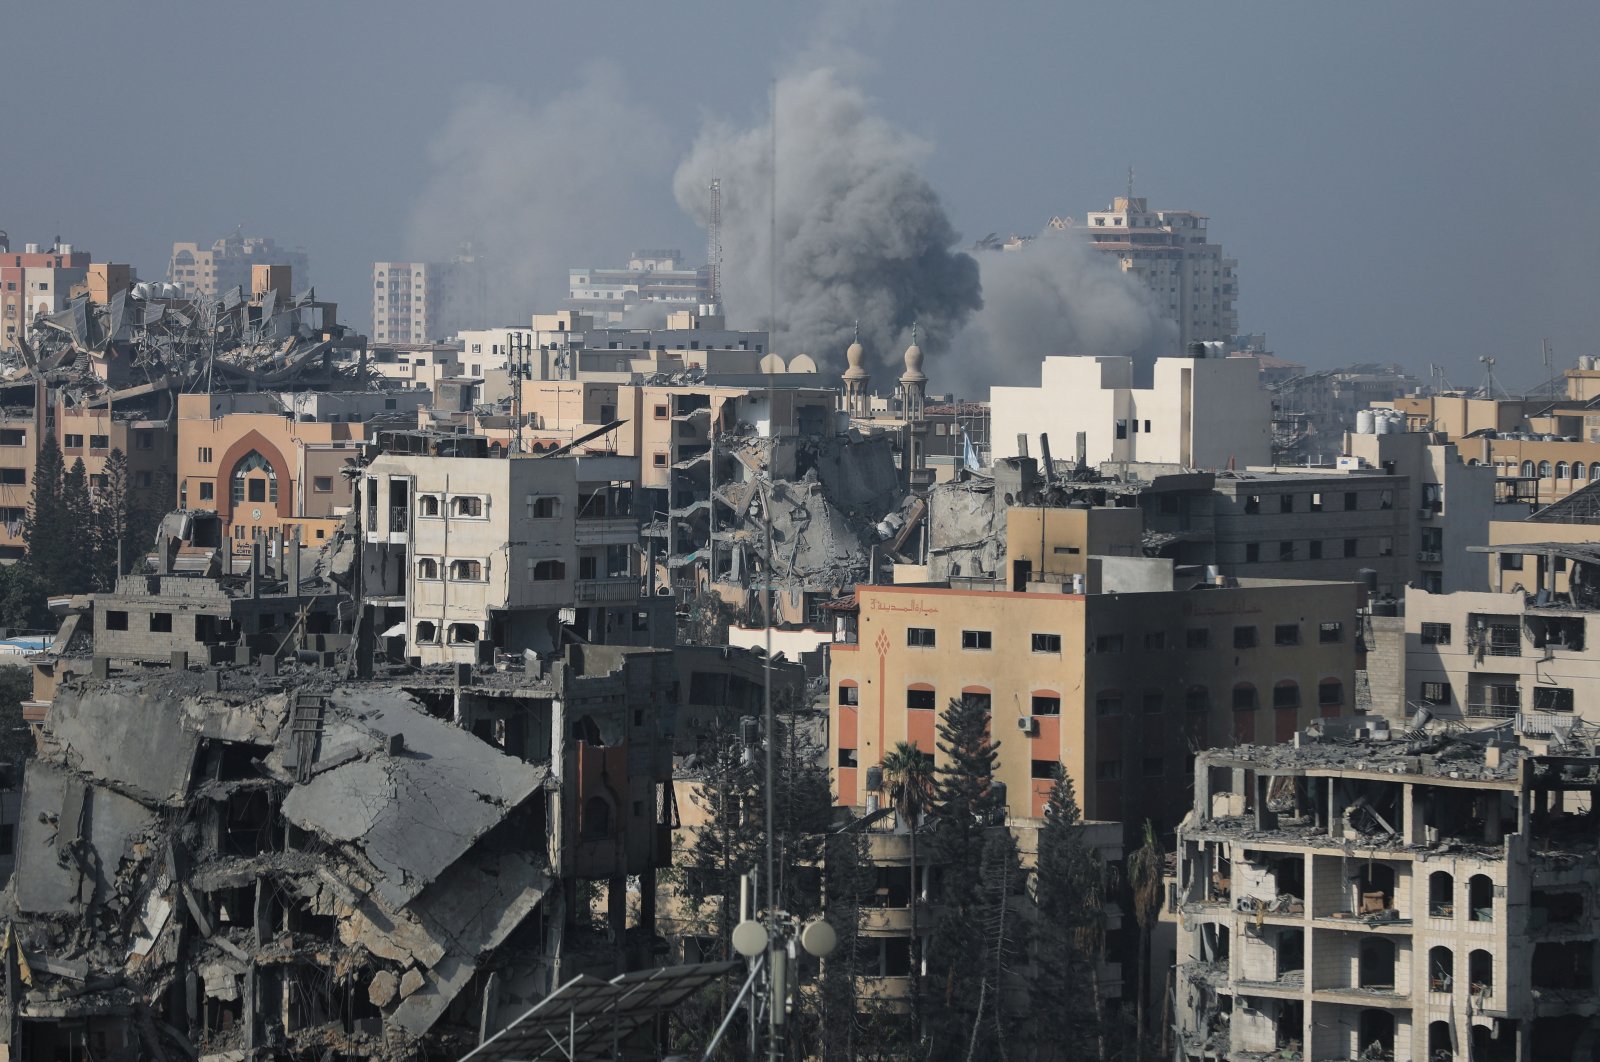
{"type": "Point", "coordinates": [908, 772]}
{"type": "Point", "coordinates": [1145, 868]}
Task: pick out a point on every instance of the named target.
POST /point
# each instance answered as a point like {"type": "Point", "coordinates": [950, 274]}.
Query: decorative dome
{"type": "Point", "coordinates": [854, 355]}
{"type": "Point", "coordinates": [913, 373]}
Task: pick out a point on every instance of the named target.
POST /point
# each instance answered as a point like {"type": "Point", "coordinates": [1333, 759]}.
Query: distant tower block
{"type": "Point", "coordinates": [914, 393]}
{"type": "Point", "coordinates": [857, 399]}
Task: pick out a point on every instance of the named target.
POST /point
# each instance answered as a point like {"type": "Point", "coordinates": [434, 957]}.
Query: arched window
{"type": "Point", "coordinates": [427, 568]}
{"type": "Point", "coordinates": [1480, 972]}
{"type": "Point", "coordinates": [1330, 693]}
{"type": "Point", "coordinates": [1561, 470]}
{"type": "Point", "coordinates": [1480, 899]}
{"type": "Point", "coordinates": [977, 695]}
{"type": "Point", "coordinates": [466, 505]}
{"type": "Point", "coordinates": [1580, 470]}
{"type": "Point", "coordinates": [1527, 469]}
{"type": "Point", "coordinates": [920, 697]}
{"type": "Point", "coordinates": [1244, 697]}
{"type": "Point", "coordinates": [1441, 894]}
{"type": "Point", "coordinates": [1286, 694]}
{"type": "Point", "coordinates": [1376, 963]}
{"type": "Point", "coordinates": [427, 505]}
{"type": "Point", "coordinates": [1441, 969]}
{"type": "Point", "coordinates": [253, 479]}
{"type": "Point", "coordinates": [1594, 470]}
{"type": "Point", "coordinates": [849, 693]}
{"type": "Point", "coordinates": [1440, 1043]}
{"type": "Point", "coordinates": [1545, 470]}
{"type": "Point", "coordinates": [427, 632]}
{"type": "Point", "coordinates": [469, 571]}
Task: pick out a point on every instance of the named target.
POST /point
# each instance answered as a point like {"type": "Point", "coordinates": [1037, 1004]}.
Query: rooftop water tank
{"type": "Point", "coordinates": [1365, 422]}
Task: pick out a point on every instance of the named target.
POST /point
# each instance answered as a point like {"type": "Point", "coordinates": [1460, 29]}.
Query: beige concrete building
{"type": "Point", "coordinates": [423, 302]}
{"type": "Point", "coordinates": [467, 556]}
{"type": "Point", "coordinates": [1370, 898]}
{"type": "Point", "coordinates": [1520, 652]}
{"type": "Point", "coordinates": [1199, 412]}
{"type": "Point", "coordinates": [1193, 282]}
{"type": "Point", "coordinates": [209, 272]}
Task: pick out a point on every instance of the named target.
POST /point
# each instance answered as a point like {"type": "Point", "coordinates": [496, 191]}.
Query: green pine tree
{"type": "Point", "coordinates": [1069, 941]}
{"type": "Point", "coordinates": [49, 535]}
{"type": "Point", "coordinates": [78, 566]}
{"type": "Point", "coordinates": [112, 521]}
{"type": "Point", "coordinates": [967, 956]}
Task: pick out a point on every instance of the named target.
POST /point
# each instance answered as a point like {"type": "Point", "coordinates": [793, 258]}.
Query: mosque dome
{"type": "Point", "coordinates": [913, 373]}
{"type": "Point", "coordinates": [854, 356]}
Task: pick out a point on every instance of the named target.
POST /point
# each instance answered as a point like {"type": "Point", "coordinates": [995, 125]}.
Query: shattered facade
{"type": "Point", "coordinates": [1377, 894]}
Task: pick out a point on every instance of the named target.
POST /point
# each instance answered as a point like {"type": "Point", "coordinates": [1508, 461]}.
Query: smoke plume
{"type": "Point", "coordinates": [861, 235]}
{"type": "Point", "coordinates": [1054, 295]}
{"type": "Point", "coordinates": [540, 189]}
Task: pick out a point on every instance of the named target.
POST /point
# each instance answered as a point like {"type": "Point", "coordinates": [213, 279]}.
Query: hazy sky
{"type": "Point", "coordinates": [1412, 181]}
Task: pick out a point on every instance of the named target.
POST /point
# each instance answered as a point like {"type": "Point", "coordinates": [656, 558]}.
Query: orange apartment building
{"type": "Point", "coordinates": [1121, 686]}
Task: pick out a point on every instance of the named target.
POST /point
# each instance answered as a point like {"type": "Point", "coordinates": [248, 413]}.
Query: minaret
{"type": "Point", "coordinates": [857, 403]}
{"type": "Point", "coordinates": [913, 394]}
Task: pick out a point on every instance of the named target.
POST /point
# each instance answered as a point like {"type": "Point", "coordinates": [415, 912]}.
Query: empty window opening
{"type": "Point", "coordinates": [1441, 894]}
{"type": "Point", "coordinates": [1480, 899]}
{"type": "Point", "coordinates": [1377, 963]}
{"type": "Point", "coordinates": [1441, 970]}
{"type": "Point", "coordinates": [1480, 972]}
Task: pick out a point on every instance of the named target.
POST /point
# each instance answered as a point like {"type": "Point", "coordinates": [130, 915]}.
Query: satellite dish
{"type": "Point", "coordinates": [749, 938]}
{"type": "Point", "coordinates": [818, 938]}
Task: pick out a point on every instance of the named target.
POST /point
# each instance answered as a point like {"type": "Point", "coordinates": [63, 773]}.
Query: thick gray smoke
{"type": "Point", "coordinates": [1054, 295]}
{"type": "Point", "coordinates": [861, 235]}
{"type": "Point", "coordinates": [542, 189]}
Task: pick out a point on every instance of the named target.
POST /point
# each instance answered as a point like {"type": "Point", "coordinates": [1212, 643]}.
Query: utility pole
{"type": "Point", "coordinates": [714, 242]}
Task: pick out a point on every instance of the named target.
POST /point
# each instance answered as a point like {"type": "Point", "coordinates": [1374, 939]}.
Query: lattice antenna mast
{"type": "Point", "coordinates": [714, 241]}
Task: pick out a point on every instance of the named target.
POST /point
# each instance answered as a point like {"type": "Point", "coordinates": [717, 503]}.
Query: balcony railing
{"type": "Point", "coordinates": [606, 591]}
{"type": "Point", "coordinates": [399, 518]}
{"type": "Point", "coordinates": [1478, 709]}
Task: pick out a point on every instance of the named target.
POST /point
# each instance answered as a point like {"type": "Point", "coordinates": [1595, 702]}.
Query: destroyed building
{"type": "Point", "coordinates": [1365, 892]}
{"type": "Point", "coordinates": [266, 856]}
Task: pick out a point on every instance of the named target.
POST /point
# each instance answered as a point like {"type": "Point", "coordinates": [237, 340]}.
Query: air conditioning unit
{"type": "Point", "coordinates": [1428, 556]}
{"type": "Point", "coordinates": [1027, 724]}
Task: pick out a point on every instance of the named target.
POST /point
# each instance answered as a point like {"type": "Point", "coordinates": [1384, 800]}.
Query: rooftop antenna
{"type": "Point", "coordinates": [1130, 182]}
{"type": "Point", "coordinates": [1548, 355]}
{"type": "Point", "coordinates": [714, 241]}
{"type": "Point", "coordinates": [1489, 384]}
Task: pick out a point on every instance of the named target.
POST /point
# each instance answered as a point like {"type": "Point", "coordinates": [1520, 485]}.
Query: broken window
{"type": "Point", "coordinates": [427, 632]}
{"type": "Point", "coordinates": [1552, 699]}
{"type": "Point", "coordinates": [1376, 963]}
{"type": "Point", "coordinates": [253, 478]}
{"type": "Point", "coordinates": [1436, 634]}
{"type": "Point", "coordinates": [1051, 643]}
{"type": "Point", "coordinates": [1435, 693]}
{"type": "Point", "coordinates": [1441, 894]}
{"type": "Point", "coordinates": [848, 757]}
{"type": "Point", "coordinates": [161, 622]}
{"type": "Point", "coordinates": [1480, 898]}
{"type": "Point", "coordinates": [1441, 969]}
{"type": "Point", "coordinates": [1046, 704]}
{"type": "Point", "coordinates": [463, 633]}
{"type": "Point", "coordinates": [1047, 769]}
{"type": "Point", "coordinates": [543, 571]}
{"type": "Point", "coordinates": [116, 621]}
{"type": "Point", "coordinates": [1480, 972]}
{"type": "Point", "coordinates": [13, 437]}
{"type": "Point", "coordinates": [849, 694]}
{"type": "Point", "coordinates": [1252, 504]}
{"type": "Point", "coordinates": [1328, 633]}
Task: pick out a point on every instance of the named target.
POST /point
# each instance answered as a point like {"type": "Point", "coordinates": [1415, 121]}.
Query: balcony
{"type": "Point", "coordinates": [606, 591]}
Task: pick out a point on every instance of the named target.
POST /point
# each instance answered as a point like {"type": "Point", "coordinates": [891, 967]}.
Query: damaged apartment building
{"type": "Point", "coordinates": [1370, 893]}
{"type": "Point", "coordinates": [268, 857]}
